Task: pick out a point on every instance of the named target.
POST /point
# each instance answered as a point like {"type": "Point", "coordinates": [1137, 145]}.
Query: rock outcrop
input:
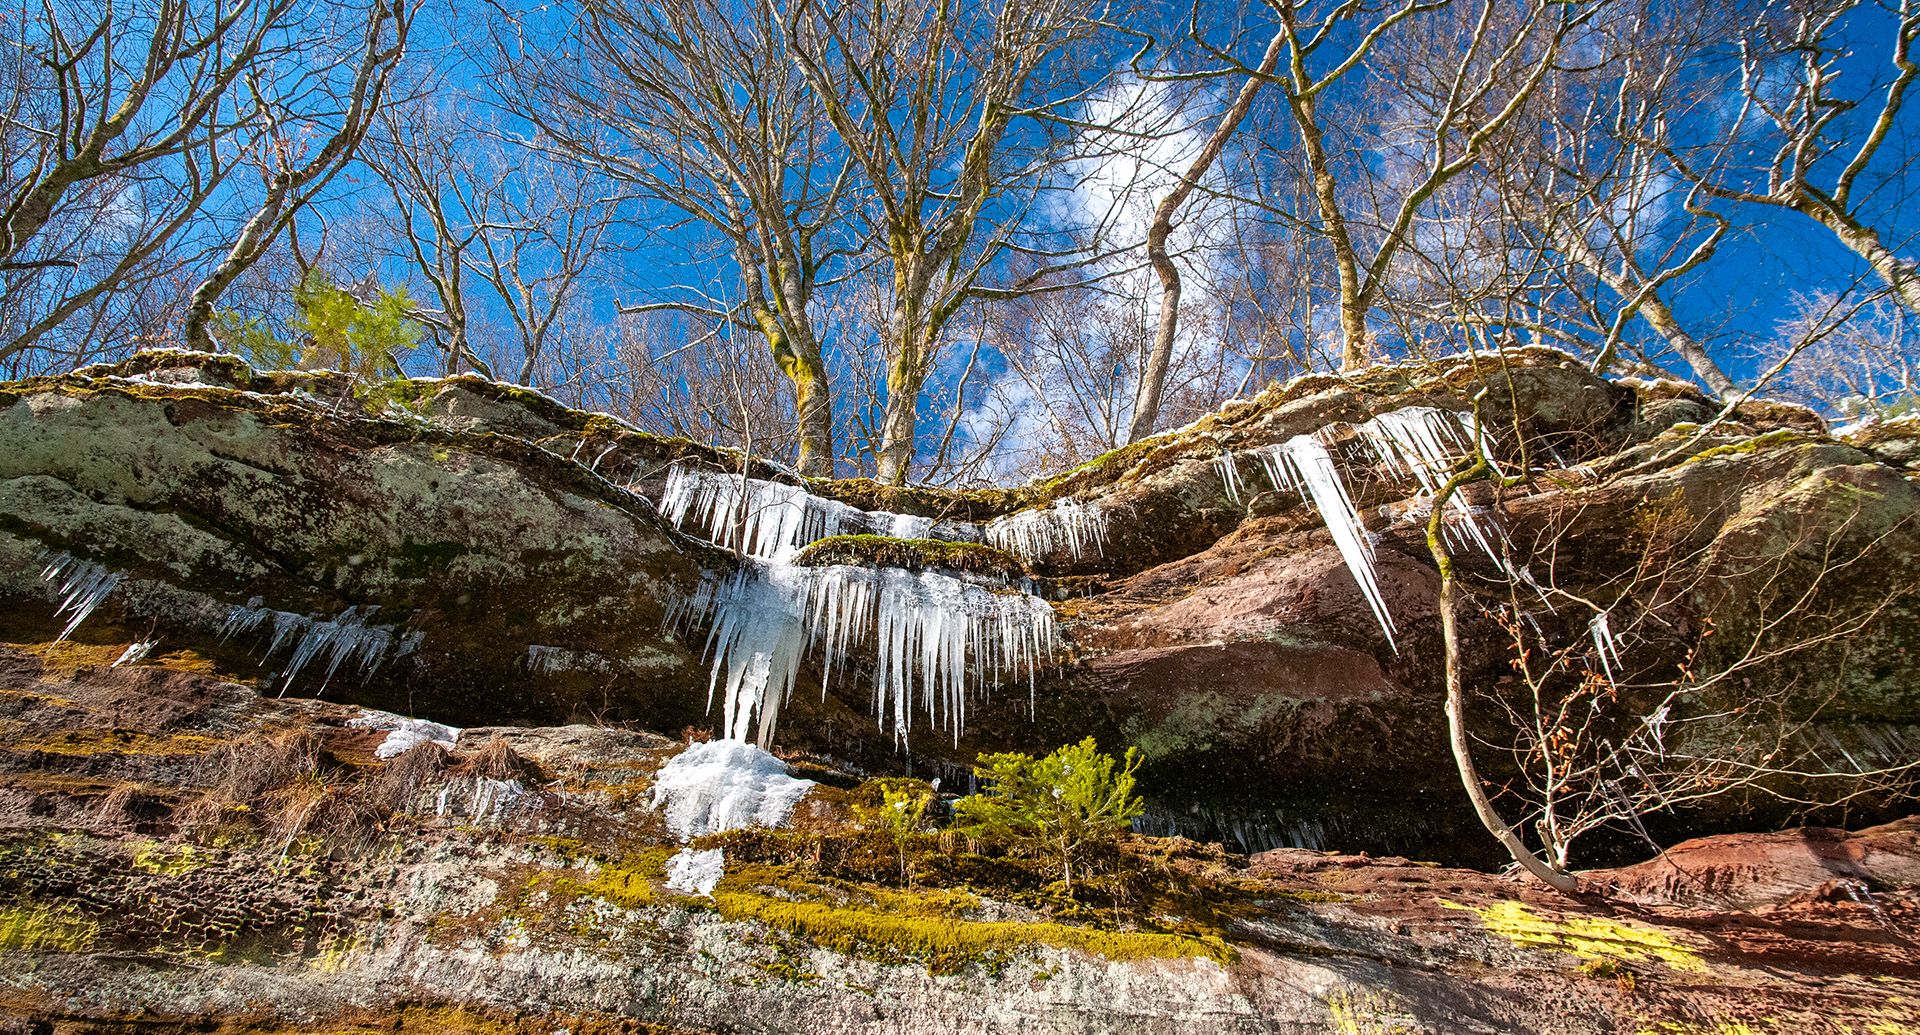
{"type": "Point", "coordinates": [181, 854]}
{"type": "Point", "coordinates": [508, 555]}
{"type": "Point", "coordinates": [208, 573]}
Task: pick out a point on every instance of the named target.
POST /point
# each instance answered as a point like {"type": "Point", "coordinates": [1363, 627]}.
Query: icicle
{"type": "Point", "coordinates": [760, 518]}
{"type": "Point", "coordinates": [1302, 463]}
{"type": "Point", "coordinates": [82, 585]}
{"type": "Point", "coordinates": [1605, 645]}
{"type": "Point", "coordinates": [1229, 474]}
{"type": "Point", "coordinates": [337, 640]}
{"type": "Point", "coordinates": [934, 639]}
{"type": "Point", "coordinates": [1068, 525]}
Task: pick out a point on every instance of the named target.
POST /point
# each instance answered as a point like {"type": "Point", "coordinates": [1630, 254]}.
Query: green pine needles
{"type": "Point", "coordinates": [1065, 805]}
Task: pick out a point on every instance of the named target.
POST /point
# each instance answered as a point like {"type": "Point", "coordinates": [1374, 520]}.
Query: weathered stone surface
{"type": "Point", "coordinates": [1226, 640]}
{"type": "Point", "coordinates": [550, 913]}
{"type": "Point", "coordinates": [534, 587]}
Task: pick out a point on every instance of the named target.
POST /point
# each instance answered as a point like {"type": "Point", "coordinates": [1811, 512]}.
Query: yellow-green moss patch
{"type": "Point", "coordinates": [35, 928]}
{"type": "Point", "coordinates": [880, 551]}
{"type": "Point", "coordinates": [170, 860]}
{"type": "Point", "coordinates": [948, 944]}
{"type": "Point", "coordinates": [1587, 937]}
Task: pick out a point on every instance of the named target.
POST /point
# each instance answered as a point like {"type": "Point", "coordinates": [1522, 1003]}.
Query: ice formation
{"type": "Point", "coordinates": [489, 802]}
{"type": "Point", "coordinates": [933, 637]}
{"type": "Point", "coordinates": [1069, 525]}
{"type": "Point", "coordinates": [1420, 443]}
{"type": "Point", "coordinates": [774, 520]}
{"type": "Point", "coordinates": [82, 586]}
{"type": "Point", "coordinates": [725, 785]}
{"type": "Point", "coordinates": [404, 734]}
{"type": "Point", "coordinates": [696, 871]}
{"type": "Point", "coordinates": [1605, 645]}
{"type": "Point", "coordinates": [759, 518]}
{"type": "Point", "coordinates": [135, 653]}
{"type": "Point", "coordinates": [337, 639]}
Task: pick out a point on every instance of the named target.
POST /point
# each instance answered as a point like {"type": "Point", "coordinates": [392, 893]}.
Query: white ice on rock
{"type": "Point", "coordinates": [934, 638]}
{"type": "Point", "coordinates": [338, 639]}
{"type": "Point", "coordinates": [1605, 645]}
{"type": "Point", "coordinates": [404, 734]}
{"type": "Point", "coordinates": [1418, 443]}
{"type": "Point", "coordinates": [135, 653]}
{"type": "Point", "coordinates": [725, 785]}
{"type": "Point", "coordinates": [759, 518]}
{"type": "Point", "coordinates": [773, 520]}
{"type": "Point", "coordinates": [695, 871]}
{"type": "Point", "coordinates": [82, 586]}
{"type": "Point", "coordinates": [1069, 525]}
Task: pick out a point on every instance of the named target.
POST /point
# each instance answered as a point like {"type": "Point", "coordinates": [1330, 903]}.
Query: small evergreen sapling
{"type": "Point", "coordinates": [1060, 805]}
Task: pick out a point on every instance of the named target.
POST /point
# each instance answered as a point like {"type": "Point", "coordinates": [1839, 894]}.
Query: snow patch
{"type": "Point", "coordinates": [404, 734]}
{"type": "Point", "coordinates": [696, 871]}
{"type": "Point", "coordinates": [725, 785]}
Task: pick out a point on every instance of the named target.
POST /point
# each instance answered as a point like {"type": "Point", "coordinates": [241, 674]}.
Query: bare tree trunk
{"type": "Point", "coordinates": [1653, 309]}
{"type": "Point", "coordinates": [1864, 241]}
{"type": "Point", "coordinates": [246, 249]}
{"type": "Point", "coordinates": [1456, 706]}
{"type": "Point", "coordinates": [1153, 379]}
{"type": "Point", "coordinates": [900, 424]}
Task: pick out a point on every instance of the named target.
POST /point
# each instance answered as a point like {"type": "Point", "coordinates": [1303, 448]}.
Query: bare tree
{"type": "Point", "coordinates": [293, 169]}
{"type": "Point", "coordinates": [114, 126]}
{"type": "Point", "coordinates": [1153, 378]}
{"type": "Point", "coordinates": [1791, 80]}
{"type": "Point", "coordinates": [1658, 707]}
{"type": "Point", "coordinates": [925, 96]}
{"type": "Point", "coordinates": [1466, 72]}
{"type": "Point", "coordinates": [699, 106]}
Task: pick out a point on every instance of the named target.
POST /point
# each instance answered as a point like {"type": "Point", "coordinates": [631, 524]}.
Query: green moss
{"type": "Point", "coordinates": [948, 944]}
{"type": "Point", "coordinates": [879, 551]}
{"type": "Point", "coordinates": [1588, 937]}
{"type": "Point", "coordinates": [170, 860]}
{"type": "Point", "coordinates": [627, 883]}
{"type": "Point", "coordinates": [36, 928]}
{"type": "Point", "coordinates": [1770, 440]}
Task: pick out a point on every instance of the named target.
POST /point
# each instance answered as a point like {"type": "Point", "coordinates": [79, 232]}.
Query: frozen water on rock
{"type": "Point", "coordinates": [1069, 525]}
{"type": "Point", "coordinates": [933, 638]}
{"type": "Point", "coordinates": [404, 734]}
{"type": "Point", "coordinates": [1303, 464]}
{"type": "Point", "coordinates": [135, 653]}
{"type": "Point", "coordinates": [82, 586]}
{"type": "Point", "coordinates": [725, 785]}
{"type": "Point", "coordinates": [490, 800]}
{"type": "Point", "coordinates": [759, 518]}
{"type": "Point", "coordinates": [773, 520]}
{"type": "Point", "coordinates": [1605, 645]}
{"type": "Point", "coordinates": [696, 871]}
{"type": "Point", "coordinates": [1418, 443]}
{"type": "Point", "coordinates": [336, 640]}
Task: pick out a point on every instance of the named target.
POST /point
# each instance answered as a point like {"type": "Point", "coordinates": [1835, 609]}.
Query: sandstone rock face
{"type": "Point", "coordinates": [508, 547]}
{"type": "Point", "coordinates": [515, 884]}
{"type": "Point", "coordinates": [514, 581]}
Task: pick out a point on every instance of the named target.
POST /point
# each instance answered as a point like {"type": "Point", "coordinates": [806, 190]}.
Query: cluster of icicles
{"type": "Point", "coordinates": [1417, 442]}
{"type": "Point", "coordinates": [773, 521]}
{"type": "Point", "coordinates": [934, 638]}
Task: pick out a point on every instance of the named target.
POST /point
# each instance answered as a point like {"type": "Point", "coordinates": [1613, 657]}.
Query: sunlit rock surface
{"type": "Point", "coordinates": [208, 574]}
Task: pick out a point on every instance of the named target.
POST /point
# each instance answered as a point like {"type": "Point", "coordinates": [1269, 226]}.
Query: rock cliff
{"type": "Point", "coordinates": [208, 574]}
